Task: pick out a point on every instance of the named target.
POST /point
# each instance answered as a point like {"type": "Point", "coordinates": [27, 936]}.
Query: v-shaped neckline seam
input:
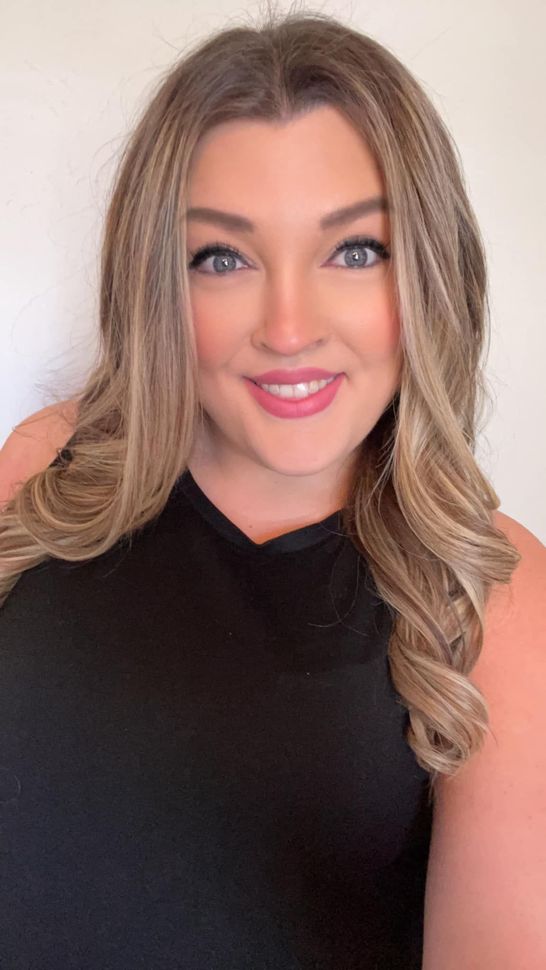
{"type": "Point", "coordinates": [302, 538]}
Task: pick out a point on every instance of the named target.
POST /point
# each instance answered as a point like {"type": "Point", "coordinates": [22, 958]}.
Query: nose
{"type": "Point", "coordinates": [290, 321]}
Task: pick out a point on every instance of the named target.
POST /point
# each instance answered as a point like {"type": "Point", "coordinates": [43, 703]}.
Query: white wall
{"type": "Point", "coordinates": [74, 74]}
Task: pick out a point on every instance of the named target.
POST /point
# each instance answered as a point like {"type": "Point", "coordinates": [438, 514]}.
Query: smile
{"type": "Point", "coordinates": [299, 391]}
{"type": "Point", "coordinates": [295, 400]}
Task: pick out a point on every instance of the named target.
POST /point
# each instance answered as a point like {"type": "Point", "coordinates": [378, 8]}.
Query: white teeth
{"type": "Point", "coordinates": [305, 389]}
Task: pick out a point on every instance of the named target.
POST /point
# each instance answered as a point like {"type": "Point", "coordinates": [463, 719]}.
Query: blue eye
{"type": "Point", "coordinates": [363, 242]}
{"type": "Point", "coordinates": [226, 254]}
{"type": "Point", "coordinates": [215, 249]}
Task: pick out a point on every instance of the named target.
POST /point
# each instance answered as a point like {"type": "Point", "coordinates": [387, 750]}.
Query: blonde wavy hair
{"type": "Point", "coordinates": [420, 509]}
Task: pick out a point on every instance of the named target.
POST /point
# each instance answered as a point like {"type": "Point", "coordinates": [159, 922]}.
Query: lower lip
{"type": "Point", "coordinates": [301, 408]}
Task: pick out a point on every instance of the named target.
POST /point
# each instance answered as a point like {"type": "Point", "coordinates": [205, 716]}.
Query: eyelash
{"type": "Point", "coordinates": [215, 248]}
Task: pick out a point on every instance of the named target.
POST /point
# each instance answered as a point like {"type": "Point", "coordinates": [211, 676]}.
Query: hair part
{"type": "Point", "coordinates": [420, 508]}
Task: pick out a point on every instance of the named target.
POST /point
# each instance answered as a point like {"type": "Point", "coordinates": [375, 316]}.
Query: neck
{"type": "Point", "coordinates": [265, 503]}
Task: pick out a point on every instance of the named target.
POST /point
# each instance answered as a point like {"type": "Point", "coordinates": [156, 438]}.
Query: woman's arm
{"type": "Point", "coordinates": [33, 444]}
{"type": "Point", "coordinates": [485, 905]}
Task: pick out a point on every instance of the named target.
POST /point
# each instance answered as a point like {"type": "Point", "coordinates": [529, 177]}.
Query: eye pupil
{"type": "Point", "coordinates": [223, 262]}
{"type": "Point", "coordinates": [355, 252]}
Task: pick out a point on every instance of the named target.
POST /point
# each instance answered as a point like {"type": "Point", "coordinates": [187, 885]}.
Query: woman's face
{"type": "Point", "coordinates": [284, 299]}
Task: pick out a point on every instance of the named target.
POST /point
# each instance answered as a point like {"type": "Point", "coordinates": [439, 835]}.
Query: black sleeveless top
{"type": "Point", "coordinates": [202, 758]}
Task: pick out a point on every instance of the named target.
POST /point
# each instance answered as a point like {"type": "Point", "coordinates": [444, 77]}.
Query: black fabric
{"type": "Point", "coordinates": [202, 758]}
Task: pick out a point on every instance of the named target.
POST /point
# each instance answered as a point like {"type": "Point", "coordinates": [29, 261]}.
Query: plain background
{"type": "Point", "coordinates": [74, 78]}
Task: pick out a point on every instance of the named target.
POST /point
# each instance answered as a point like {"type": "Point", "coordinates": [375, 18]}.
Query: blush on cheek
{"type": "Point", "coordinates": [210, 345]}
{"type": "Point", "coordinates": [382, 340]}
{"type": "Point", "coordinates": [391, 334]}
{"type": "Point", "coordinates": [219, 334]}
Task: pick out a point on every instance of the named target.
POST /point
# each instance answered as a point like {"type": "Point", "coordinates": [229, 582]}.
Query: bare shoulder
{"type": "Point", "coordinates": [32, 445]}
{"type": "Point", "coordinates": [520, 536]}
{"type": "Point", "coordinates": [518, 606]}
{"type": "Point", "coordinates": [485, 906]}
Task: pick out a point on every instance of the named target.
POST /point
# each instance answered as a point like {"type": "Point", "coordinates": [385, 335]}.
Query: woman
{"type": "Point", "coordinates": [273, 662]}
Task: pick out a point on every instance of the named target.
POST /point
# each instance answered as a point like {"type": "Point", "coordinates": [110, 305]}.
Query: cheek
{"type": "Point", "coordinates": [386, 337]}
{"type": "Point", "coordinates": [216, 340]}
{"type": "Point", "coordinates": [207, 344]}
{"type": "Point", "coordinates": [377, 336]}
{"type": "Point", "coordinates": [218, 313]}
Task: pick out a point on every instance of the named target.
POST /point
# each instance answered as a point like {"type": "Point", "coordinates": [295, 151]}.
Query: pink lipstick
{"type": "Point", "coordinates": [294, 376]}
{"type": "Point", "coordinates": [282, 407]}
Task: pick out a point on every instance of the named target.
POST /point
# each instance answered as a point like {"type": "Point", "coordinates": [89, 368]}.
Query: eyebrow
{"type": "Point", "coordinates": [237, 223]}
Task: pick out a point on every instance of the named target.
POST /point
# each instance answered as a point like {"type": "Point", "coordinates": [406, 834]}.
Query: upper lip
{"type": "Point", "coordinates": [301, 375]}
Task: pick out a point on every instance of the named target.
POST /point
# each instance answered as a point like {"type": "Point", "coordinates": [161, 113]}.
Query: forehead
{"type": "Point", "coordinates": [320, 151]}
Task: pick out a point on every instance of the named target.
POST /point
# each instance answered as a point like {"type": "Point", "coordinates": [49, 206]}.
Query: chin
{"type": "Point", "coordinates": [298, 466]}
